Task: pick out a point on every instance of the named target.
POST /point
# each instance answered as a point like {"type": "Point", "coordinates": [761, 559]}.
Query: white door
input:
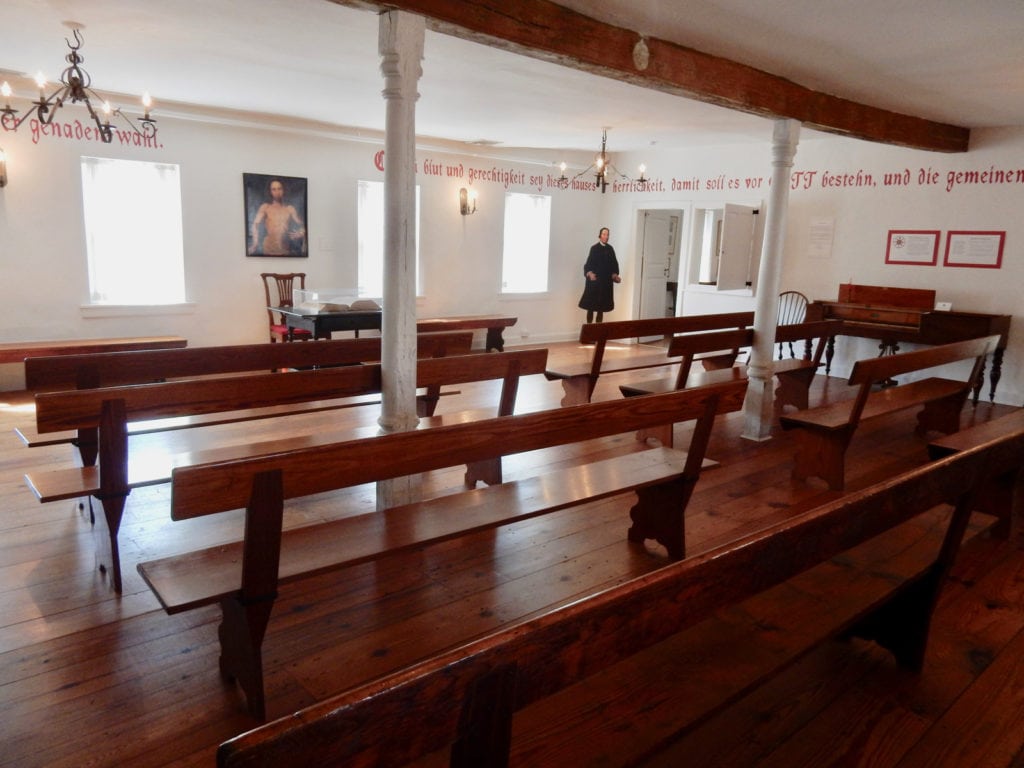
{"type": "Point", "coordinates": [739, 228]}
{"type": "Point", "coordinates": [659, 263]}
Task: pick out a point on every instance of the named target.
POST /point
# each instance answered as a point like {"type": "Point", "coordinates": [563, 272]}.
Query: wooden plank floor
{"type": "Point", "coordinates": [89, 678]}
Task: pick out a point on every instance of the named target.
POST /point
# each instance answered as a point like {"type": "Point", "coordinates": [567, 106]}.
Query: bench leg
{"type": "Point", "coordinates": [495, 340]}
{"type": "Point", "coordinates": [108, 556]}
{"type": "Point", "coordinates": [941, 415]}
{"type": "Point", "coordinates": [487, 471]}
{"type": "Point", "coordinates": [426, 403]}
{"type": "Point", "coordinates": [659, 514]}
{"type": "Point", "coordinates": [577, 390]}
{"type": "Point", "coordinates": [793, 388]}
{"type": "Point", "coordinates": [662, 433]}
{"type": "Point", "coordinates": [241, 634]}
{"type": "Point", "coordinates": [821, 455]}
{"type": "Point", "coordinates": [485, 722]}
{"type": "Point", "coordinates": [88, 445]}
{"type": "Point", "coordinates": [1003, 497]}
{"type": "Point", "coordinates": [901, 623]}
{"type": "Point", "coordinates": [244, 615]}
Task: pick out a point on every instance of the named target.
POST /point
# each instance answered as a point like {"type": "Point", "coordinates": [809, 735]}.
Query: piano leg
{"type": "Point", "coordinates": [830, 350]}
{"type": "Point", "coordinates": [997, 372]}
{"type": "Point", "coordinates": [888, 347]}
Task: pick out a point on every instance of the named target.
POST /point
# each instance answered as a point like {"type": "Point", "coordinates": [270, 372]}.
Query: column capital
{"type": "Point", "coordinates": [400, 44]}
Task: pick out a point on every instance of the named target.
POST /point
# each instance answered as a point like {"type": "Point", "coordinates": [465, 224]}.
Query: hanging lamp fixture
{"type": "Point", "coordinates": [601, 168]}
{"type": "Point", "coordinates": [76, 88]}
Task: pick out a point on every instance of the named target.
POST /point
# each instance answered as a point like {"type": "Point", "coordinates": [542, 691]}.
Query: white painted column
{"type": "Point", "coordinates": [400, 45]}
{"type": "Point", "coordinates": [759, 404]}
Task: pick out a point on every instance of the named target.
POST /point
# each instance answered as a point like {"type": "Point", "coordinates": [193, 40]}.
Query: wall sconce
{"type": "Point", "coordinates": [467, 201]}
{"type": "Point", "coordinates": [3, 168]}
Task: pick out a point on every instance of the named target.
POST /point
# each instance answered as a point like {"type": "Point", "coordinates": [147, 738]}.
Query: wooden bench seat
{"type": "Point", "coordinates": [876, 561]}
{"type": "Point", "coordinates": [19, 351]}
{"type": "Point", "coordinates": [111, 409]}
{"type": "Point", "coordinates": [109, 369]}
{"type": "Point", "coordinates": [824, 433]}
{"type": "Point", "coordinates": [493, 324]}
{"type": "Point", "coordinates": [794, 374]}
{"type": "Point", "coordinates": [205, 577]}
{"type": "Point", "coordinates": [662, 480]}
{"type": "Point", "coordinates": [579, 380]}
{"type": "Point", "coordinates": [1003, 495]}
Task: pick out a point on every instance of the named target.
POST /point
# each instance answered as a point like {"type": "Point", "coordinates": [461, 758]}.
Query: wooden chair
{"type": "Point", "coordinates": [284, 282]}
{"type": "Point", "coordinates": [792, 310]}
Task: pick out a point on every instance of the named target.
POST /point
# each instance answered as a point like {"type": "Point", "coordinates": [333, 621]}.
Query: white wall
{"type": "Point", "coordinates": [863, 216]}
{"type": "Point", "coordinates": [42, 250]}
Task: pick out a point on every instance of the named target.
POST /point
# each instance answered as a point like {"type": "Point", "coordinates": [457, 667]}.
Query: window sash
{"type": "Point", "coordinates": [526, 250]}
{"type": "Point", "coordinates": [133, 232]}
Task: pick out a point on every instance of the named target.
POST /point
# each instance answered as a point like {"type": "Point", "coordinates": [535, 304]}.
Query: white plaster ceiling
{"type": "Point", "coordinates": [947, 60]}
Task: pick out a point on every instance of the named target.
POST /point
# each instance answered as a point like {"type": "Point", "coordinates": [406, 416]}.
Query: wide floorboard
{"type": "Point", "coordinates": [90, 678]}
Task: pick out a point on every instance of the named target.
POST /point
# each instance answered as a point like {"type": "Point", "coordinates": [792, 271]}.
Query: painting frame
{"type": "Point", "coordinates": [276, 215]}
{"type": "Point", "coordinates": [917, 247]}
{"type": "Point", "coordinates": [974, 249]}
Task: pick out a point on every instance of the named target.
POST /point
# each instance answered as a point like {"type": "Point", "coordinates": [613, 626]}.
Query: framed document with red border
{"type": "Point", "coordinates": [913, 246]}
{"type": "Point", "coordinates": [981, 250]}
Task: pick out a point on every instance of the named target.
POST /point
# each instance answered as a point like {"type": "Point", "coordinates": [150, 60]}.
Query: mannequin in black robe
{"type": "Point", "coordinates": [600, 272]}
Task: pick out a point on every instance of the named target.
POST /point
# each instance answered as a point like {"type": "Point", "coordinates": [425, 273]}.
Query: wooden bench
{"type": "Point", "coordinates": [794, 374]}
{"type": "Point", "coordinates": [463, 700]}
{"type": "Point", "coordinates": [19, 351]}
{"type": "Point", "coordinates": [824, 433]}
{"type": "Point", "coordinates": [244, 578]}
{"type": "Point", "coordinates": [1003, 496]}
{"type": "Point", "coordinates": [111, 409]}
{"type": "Point", "coordinates": [579, 380]}
{"type": "Point", "coordinates": [493, 324]}
{"type": "Point", "coordinates": [89, 371]}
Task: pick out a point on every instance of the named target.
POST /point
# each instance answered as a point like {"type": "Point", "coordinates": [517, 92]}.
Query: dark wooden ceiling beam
{"type": "Point", "coordinates": [548, 31]}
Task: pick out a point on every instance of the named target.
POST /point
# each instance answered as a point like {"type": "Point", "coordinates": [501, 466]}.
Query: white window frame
{"type": "Point", "coordinates": [133, 232]}
{"type": "Point", "coordinates": [370, 238]}
{"type": "Point", "coordinates": [526, 250]}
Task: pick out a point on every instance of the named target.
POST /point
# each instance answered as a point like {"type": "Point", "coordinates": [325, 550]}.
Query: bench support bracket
{"type": "Point", "coordinates": [485, 722]}
{"type": "Point", "coordinates": [901, 623]}
{"type": "Point", "coordinates": [246, 614]}
{"type": "Point", "coordinates": [658, 515]}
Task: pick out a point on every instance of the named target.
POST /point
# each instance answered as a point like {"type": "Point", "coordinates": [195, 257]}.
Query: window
{"type": "Point", "coordinates": [524, 259]}
{"type": "Point", "coordinates": [133, 232]}
{"type": "Point", "coordinates": [370, 236]}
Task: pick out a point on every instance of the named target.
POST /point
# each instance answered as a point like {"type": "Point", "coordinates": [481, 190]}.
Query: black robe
{"type": "Point", "coordinates": [597, 294]}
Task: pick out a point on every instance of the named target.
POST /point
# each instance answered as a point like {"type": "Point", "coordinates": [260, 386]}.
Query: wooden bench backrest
{"type": "Point", "coordinates": [713, 341]}
{"type": "Point", "coordinates": [210, 488]}
{"type": "Point", "coordinates": [599, 334]}
{"type": "Point", "coordinates": [106, 369]}
{"type": "Point", "coordinates": [80, 409]}
{"type": "Point", "coordinates": [813, 329]}
{"type": "Point", "coordinates": [591, 333]}
{"type": "Point", "coordinates": [428, 706]}
{"type": "Point", "coordinates": [867, 372]}
{"type": "Point", "coordinates": [686, 346]}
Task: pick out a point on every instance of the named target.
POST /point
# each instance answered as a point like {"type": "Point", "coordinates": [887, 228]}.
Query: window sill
{"type": "Point", "coordinates": [713, 289]}
{"type": "Point", "coordinates": [524, 296]}
{"type": "Point", "coordinates": [143, 310]}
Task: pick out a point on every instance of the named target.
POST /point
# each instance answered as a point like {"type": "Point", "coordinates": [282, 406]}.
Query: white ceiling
{"type": "Point", "coordinates": [946, 60]}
